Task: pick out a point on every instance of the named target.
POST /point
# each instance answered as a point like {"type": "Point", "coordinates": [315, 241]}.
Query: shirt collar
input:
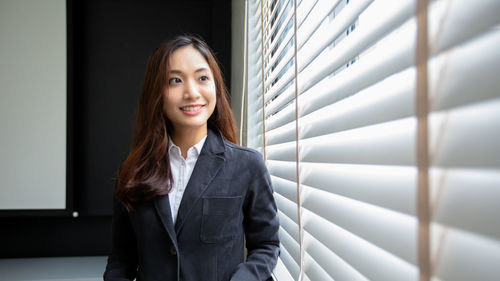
{"type": "Point", "coordinates": [197, 147]}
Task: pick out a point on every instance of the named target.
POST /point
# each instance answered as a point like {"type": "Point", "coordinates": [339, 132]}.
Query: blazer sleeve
{"type": "Point", "coordinates": [122, 262]}
{"type": "Point", "coordinates": [261, 227]}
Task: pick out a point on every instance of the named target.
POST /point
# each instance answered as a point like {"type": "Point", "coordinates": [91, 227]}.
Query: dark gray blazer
{"type": "Point", "coordinates": [228, 197]}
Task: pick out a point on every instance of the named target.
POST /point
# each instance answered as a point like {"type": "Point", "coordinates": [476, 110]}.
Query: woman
{"type": "Point", "coordinates": [186, 195]}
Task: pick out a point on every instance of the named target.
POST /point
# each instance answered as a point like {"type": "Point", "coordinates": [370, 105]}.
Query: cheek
{"type": "Point", "coordinates": [171, 98]}
{"type": "Point", "coordinates": [168, 103]}
{"type": "Point", "coordinates": [213, 98]}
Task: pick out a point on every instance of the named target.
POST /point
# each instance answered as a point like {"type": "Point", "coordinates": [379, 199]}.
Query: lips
{"type": "Point", "coordinates": [193, 107]}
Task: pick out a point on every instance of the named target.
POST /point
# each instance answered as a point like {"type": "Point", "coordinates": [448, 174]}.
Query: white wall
{"type": "Point", "coordinates": [32, 104]}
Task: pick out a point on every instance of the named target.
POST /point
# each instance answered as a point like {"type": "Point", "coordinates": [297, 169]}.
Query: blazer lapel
{"type": "Point", "coordinates": [207, 166]}
{"type": "Point", "coordinates": [162, 206]}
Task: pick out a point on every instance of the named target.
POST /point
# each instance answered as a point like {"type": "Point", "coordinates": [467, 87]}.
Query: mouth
{"type": "Point", "coordinates": [192, 108]}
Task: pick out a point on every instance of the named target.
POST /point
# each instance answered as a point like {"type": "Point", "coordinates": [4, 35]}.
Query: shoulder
{"type": "Point", "coordinates": [241, 150]}
{"type": "Point", "coordinates": [244, 154]}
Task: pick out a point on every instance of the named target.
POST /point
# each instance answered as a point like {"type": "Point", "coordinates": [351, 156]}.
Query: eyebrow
{"type": "Point", "coordinates": [175, 71]}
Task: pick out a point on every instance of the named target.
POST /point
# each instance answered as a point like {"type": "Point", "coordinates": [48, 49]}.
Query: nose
{"type": "Point", "coordinates": [191, 90]}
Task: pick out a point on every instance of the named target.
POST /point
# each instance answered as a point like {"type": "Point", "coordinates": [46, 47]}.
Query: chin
{"type": "Point", "coordinates": [193, 125]}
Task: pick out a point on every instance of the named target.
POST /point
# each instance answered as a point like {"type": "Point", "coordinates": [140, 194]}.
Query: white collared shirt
{"type": "Point", "coordinates": [181, 172]}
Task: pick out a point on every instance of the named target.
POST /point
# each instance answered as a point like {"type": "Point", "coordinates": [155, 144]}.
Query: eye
{"type": "Point", "coordinates": [174, 80]}
{"type": "Point", "coordinates": [204, 78]}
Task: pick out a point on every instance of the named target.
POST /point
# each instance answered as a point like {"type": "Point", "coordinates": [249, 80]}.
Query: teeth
{"type": "Point", "coordinates": [191, 108]}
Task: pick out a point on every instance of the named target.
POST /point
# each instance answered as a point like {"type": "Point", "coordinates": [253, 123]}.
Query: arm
{"type": "Point", "coordinates": [122, 263]}
{"type": "Point", "coordinates": [261, 229]}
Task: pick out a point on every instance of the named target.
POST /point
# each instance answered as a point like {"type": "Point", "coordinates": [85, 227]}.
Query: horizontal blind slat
{"type": "Point", "coordinates": [337, 268]}
{"type": "Point", "coordinates": [314, 19]}
{"type": "Point", "coordinates": [274, 76]}
{"type": "Point", "coordinates": [451, 78]}
{"type": "Point", "coordinates": [461, 196]}
{"type": "Point", "coordinates": [289, 226]}
{"type": "Point", "coordinates": [387, 100]}
{"type": "Point", "coordinates": [285, 133]}
{"type": "Point", "coordinates": [392, 231]}
{"type": "Point", "coordinates": [355, 43]}
{"type": "Point", "coordinates": [313, 270]}
{"type": "Point", "coordinates": [290, 263]}
{"type": "Point", "coordinates": [464, 256]}
{"type": "Point", "coordinates": [280, 85]}
{"type": "Point", "coordinates": [460, 21]}
{"type": "Point", "coordinates": [284, 57]}
{"type": "Point", "coordinates": [467, 136]}
{"type": "Point", "coordinates": [282, 117]}
{"type": "Point", "coordinates": [281, 12]}
{"type": "Point", "coordinates": [390, 143]}
{"type": "Point", "coordinates": [278, 40]}
{"type": "Point", "coordinates": [287, 207]}
{"type": "Point", "coordinates": [290, 245]}
{"type": "Point", "coordinates": [371, 68]}
{"type": "Point", "coordinates": [286, 188]}
{"type": "Point", "coordinates": [282, 151]}
{"type": "Point", "coordinates": [390, 187]}
{"type": "Point", "coordinates": [281, 272]}
{"type": "Point", "coordinates": [366, 258]}
{"type": "Point", "coordinates": [303, 9]}
{"type": "Point", "coordinates": [377, 65]}
{"type": "Point", "coordinates": [280, 101]}
{"type": "Point", "coordinates": [311, 48]}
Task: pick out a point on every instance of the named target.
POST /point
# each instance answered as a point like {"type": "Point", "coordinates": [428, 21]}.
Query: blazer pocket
{"type": "Point", "coordinates": [220, 219]}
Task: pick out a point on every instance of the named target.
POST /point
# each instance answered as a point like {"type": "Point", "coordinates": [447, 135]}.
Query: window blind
{"type": "Point", "coordinates": [332, 89]}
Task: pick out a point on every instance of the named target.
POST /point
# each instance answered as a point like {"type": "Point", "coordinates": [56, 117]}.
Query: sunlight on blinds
{"type": "Point", "coordinates": [342, 149]}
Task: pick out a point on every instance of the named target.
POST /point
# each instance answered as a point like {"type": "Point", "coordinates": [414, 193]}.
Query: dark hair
{"type": "Point", "coordinates": [146, 173]}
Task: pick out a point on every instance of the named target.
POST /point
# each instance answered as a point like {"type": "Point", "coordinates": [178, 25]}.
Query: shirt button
{"type": "Point", "coordinates": [173, 252]}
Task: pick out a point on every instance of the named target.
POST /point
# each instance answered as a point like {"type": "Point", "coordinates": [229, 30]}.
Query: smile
{"type": "Point", "coordinates": [192, 109]}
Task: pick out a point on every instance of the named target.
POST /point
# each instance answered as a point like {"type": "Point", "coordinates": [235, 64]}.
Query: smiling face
{"type": "Point", "coordinates": [190, 94]}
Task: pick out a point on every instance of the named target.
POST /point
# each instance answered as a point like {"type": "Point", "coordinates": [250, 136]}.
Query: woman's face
{"type": "Point", "coordinates": [190, 95]}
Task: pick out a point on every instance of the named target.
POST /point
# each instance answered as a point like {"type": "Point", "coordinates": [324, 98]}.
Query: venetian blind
{"type": "Point", "coordinates": [332, 105]}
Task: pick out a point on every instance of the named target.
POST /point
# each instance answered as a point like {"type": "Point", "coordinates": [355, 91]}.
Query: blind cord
{"type": "Point", "coordinates": [263, 89]}
{"type": "Point", "coordinates": [297, 158]}
{"type": "Point", "coordinates": [422, 108]}
{"type": "Point", "coordinates": [245, 65]}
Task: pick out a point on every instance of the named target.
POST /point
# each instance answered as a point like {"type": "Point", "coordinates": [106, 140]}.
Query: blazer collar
{"type": "Point", "coordinates": [207, 166]}
{"type": "Point", "coordinates": [214, 143]}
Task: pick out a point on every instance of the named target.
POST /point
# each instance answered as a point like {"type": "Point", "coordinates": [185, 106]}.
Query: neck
{"type": "Point", "coordinates": [187, 138]}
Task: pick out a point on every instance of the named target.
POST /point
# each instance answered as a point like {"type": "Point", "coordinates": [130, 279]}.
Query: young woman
{"type": "Point", "coordinates": [187, 196]}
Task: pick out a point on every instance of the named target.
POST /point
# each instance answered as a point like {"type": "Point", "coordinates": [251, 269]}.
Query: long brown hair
{"type": "Point", "coordinates": [146, 173]}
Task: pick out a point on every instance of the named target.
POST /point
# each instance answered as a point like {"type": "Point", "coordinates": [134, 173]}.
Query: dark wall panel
{"type": "Point", "coordinates": [113, 45]}
{"type": "Point", "coordinates": [110, 44]}
{"type": "Point", "coordinates": [55, 237]}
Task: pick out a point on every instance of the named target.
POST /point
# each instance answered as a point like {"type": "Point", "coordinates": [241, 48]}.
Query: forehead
{"type": "Point", "coordinates": [187, 58]}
